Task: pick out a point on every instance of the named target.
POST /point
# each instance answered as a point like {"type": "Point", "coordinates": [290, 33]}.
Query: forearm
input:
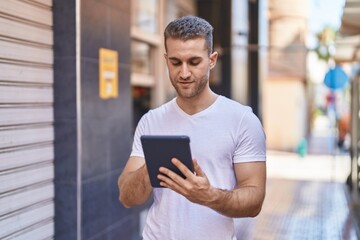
{"type": "Point", "coordinates": [134, 187]}
{"type": "Point", "coordinates": [240, 202]}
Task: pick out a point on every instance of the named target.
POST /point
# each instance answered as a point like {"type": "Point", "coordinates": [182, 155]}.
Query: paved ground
{"type": "Point", "coordinates": [306, 199]}
{"type": "Point", "coordinates": [311, 167]}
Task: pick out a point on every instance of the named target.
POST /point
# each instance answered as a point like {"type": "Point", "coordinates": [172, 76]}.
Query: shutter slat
{"type": "Point", "coordinates": [18, 73]}
{"type": "Point", "coordinates": [12, 94]}
{"type": "Point", "coordinates": [20, 179]}
{"type": "Point", "coordinates": [44, 231]}
{"type": "Point", "coordinates": [17, 222]}
{"type": "Point", "coordinates": [23, 53]}
{"type": "Point", "coordinates": [19, 30]}
{"type": "Point", "coordinates": [18, 137]}
{"type": "Point", "coordinates": [16, 116]}
{"type": "Point", "coordinates": [26, 11]}
{"type": "Point", "coordinates": [44, 2]}
{"type": "Point", "coordinates": [14, 202]}
{"type": "Point", "coordinates": [16, 159]}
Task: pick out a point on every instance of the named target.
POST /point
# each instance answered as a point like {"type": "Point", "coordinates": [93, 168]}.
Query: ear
{"type": "Point", "coordinates": [213, 59]}
{"type": "Point", "coordinates": [166, 59]}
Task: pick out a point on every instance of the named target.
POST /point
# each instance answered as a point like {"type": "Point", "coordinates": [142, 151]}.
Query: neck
{"type": "Point", "coordinates": [196, 104]}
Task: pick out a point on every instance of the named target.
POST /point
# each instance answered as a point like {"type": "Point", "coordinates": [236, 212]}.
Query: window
{"type": "Point", "coordinates": [142, 71]}
{"type": "Point", "coordinates": [145, 15]}
{"type": "Point", "coordinates": [140, 57]}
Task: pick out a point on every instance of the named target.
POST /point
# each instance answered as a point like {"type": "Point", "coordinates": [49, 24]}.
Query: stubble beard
{"type": "Point", "coordinates": [197, 87]}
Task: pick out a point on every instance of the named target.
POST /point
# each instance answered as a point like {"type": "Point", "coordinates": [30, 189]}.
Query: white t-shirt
{"type": "Point", "coordinates": [221, 135]}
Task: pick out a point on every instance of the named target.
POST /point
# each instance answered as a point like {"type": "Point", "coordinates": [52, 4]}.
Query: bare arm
{"type": "Point", "coordinates": [134, 183]}
{"type": "Point", "coordinates": [244, 201]}
{"type": "Point", "coordinates": [247, 198]}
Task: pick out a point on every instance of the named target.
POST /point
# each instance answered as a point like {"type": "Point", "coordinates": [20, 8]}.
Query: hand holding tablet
{"type": "Point", "coordinates": [160, 149]}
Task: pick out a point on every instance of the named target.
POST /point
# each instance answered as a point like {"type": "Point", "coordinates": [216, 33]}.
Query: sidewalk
{"type": "Point", "coordinates": [306, 199]}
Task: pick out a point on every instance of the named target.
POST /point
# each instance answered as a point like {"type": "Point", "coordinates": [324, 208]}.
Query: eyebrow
{"type": "Point", "coordinates": [190, 59]}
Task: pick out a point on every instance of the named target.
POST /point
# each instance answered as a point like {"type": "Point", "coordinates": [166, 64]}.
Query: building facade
{"type": "Point", "coordinates": [285, 96]}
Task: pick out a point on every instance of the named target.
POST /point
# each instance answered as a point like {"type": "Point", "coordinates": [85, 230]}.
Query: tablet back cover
{"type": "Point", "coordinates": [159, 150]}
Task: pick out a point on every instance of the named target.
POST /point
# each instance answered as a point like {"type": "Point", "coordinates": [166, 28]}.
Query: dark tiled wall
{"type": "Point", "coordinates": [106, 125]}
{"type": "Point", "coordinates": [65, 120]}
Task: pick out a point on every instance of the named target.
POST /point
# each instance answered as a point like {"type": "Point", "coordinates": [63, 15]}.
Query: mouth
{"type": "Point", "coordinates": [185, 83]}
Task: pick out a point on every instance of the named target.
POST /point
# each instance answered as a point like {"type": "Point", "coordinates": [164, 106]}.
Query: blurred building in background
{"type": "Point", "coordinates": [348, 56]}
{"type": "Point", "coordinates": [75, 77]}
{"type": "Point", "coordinates": [285, 98]}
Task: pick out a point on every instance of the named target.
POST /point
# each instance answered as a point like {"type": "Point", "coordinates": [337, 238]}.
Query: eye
{"type": "Point", "coordinates": [194, 63]}
{"type": "Point", "coordinates": [176, 63]}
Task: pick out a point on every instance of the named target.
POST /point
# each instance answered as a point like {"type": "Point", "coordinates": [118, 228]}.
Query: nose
{"type": "Point", "coordinates": [184, 73]}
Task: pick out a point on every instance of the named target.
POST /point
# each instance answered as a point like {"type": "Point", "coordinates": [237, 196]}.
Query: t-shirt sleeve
{"type": "Point", "coordinates": [251, 144]}
{"type": "Point", "coordinates": [140, 130]}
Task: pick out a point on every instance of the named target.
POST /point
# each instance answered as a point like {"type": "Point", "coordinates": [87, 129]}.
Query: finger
{"type": "Point", "coordinates": [167, 182]}
{"type": "Point", "coordinates": [171, 175]}
{"type": "Point", "coordinates": [172, 187]}
{"type": "Point", "coordinates": [163, 179]}
{"type": "Point", "coordinates": [184, 169]}
{"type": "Point", "coordinates": [198, 170]}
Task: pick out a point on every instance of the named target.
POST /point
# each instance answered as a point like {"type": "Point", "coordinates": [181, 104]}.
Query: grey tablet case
{"type": "Point", "coordinates": [160, 149]}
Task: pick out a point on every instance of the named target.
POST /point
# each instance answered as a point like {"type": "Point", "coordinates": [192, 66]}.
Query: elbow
{"type": "Point", "coordinates": [256, 209]}
{"type": "Point", "coordinates": [251, 212]}
{"type": "Point", "coordinates": [124, 201]}
{"type": "Point", "coordinates": [121, 200]}
{"type": "Point", "coordinates": [129, 202]}
{"type": "Point", "coordinates": [255, 212]}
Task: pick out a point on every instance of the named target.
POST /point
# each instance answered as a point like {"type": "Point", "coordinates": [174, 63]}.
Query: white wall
{"type": "Point", "coordinates": [284, 113]}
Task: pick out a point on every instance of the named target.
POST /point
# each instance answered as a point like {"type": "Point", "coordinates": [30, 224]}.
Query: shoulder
{"type": "Point", "coordinates": [234, 108]}
{"type": "Point", "coordinates": [159, 112]}
{"type": "Point", "coordinates": [234, 104]}
{"type": "Point", "coordinates": [241, 116]}
{"type": "Point", "coordinates": [162, 109]}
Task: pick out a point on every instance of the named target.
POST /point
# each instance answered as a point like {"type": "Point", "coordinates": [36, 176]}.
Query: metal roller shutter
{"type": "Point", "coordinates": [26, 120]}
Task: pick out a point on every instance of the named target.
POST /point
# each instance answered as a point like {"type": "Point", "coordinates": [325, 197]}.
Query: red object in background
{"type": "Point", "coordinates": [330, 99]}
{"type": "Point", "coordinates": [344, 128]}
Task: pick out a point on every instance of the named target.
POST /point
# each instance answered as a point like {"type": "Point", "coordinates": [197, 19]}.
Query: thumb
{"type": "Point", "coordinates": [198, 170]}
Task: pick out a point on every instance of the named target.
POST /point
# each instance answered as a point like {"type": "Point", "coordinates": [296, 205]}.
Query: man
{"type": "Point", "coordinates": [227, 141]}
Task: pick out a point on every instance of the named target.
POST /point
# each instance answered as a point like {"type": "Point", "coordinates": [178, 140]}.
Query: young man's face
{"type": "Point", "coordinates": [189, 66]}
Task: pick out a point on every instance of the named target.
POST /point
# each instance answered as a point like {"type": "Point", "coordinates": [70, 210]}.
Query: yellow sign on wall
{"type": "Point", "coordinates": [108, 73]}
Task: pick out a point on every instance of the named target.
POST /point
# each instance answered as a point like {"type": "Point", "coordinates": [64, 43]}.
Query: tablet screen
{"type": "Point", "coordinates": [160, 149]}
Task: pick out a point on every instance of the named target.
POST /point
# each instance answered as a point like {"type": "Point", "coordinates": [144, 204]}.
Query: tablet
{"type": "Point", "coordinates": [160, 149]}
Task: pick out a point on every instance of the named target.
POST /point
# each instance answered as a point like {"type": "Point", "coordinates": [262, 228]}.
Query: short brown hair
{"type": "Point", "coordinates": [190, 27]}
